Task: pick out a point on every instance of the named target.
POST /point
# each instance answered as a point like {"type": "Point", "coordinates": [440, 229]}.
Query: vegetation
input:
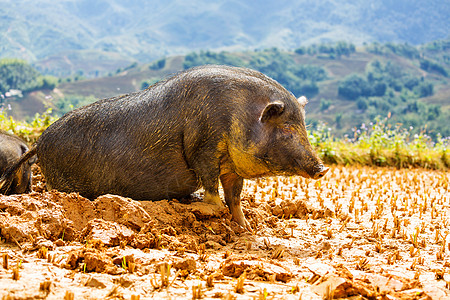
{"type": "Point", "coordinates": [298, 78]}
{"type": "Point", "coordinates": [158, 65]}
{"type": "Point", "coordinates": [29, 131]}
{"type": "Point", "coordinates": [69, 103]}
{"type": "Point", "coordinates": [378, 144]}
{"type": "Point", "coordinates": [330, 50]}
{"type": "Point", "coordinates": [350, 88]}
{"type": "Point", "coordinates": [378, 78]}
{"type": "Point", "coordinates": [16, 74]}
{"type": "Point", "coordinates": [431, 66]}
{"type": "Point", "coordinates": [387, 88]}
{"type": "Point", "coordinates": [404, 50]}
{"type": "Point", "coordinates": [381, 144]}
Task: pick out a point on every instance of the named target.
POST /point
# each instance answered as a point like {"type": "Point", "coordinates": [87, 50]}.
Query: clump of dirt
{"type": "Point", "coordinates": [369, 232]}
{"type": "Point", "coordinates": [112, 219]}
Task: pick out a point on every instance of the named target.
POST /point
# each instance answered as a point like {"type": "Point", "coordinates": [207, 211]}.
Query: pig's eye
{"type": "Point", "coordinates": [288, 130]}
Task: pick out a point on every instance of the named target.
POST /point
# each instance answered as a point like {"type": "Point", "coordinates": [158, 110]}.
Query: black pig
{"type": "Point", "coordinates": [11, 149]}
{"type": "Point", "coordinates": [189, 131]}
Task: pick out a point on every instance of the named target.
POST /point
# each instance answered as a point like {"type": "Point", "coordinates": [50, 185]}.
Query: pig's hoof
{"type": "Point", "coordinates": [220, 206]}
{"type": "Point", "coordinates": [214, 200]}
{"type": "Point", "coordinates": [245, 224]}
{"type": "Point", "coordinates": [238, 217]}
{"type": "Point", "coordinates": [248, 227]}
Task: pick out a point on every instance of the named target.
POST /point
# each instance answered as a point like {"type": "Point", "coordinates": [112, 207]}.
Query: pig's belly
{"type": "Point", "coordinates": [163, 179]}
{"type": "Point", "coordinates": [178, 184]}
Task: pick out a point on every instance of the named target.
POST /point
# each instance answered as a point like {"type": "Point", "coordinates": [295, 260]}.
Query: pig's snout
{"type": "Point", "coordinates": [321, 170]}
{"type": "Point", "coordinates": [315, 172]}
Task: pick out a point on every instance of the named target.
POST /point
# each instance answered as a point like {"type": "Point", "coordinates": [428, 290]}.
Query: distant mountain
{"type": "Point", "coordinates": [98, 36]}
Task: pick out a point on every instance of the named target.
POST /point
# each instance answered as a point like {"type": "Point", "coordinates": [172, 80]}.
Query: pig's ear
{"type": "Point", "coordinates": [272, 110]}
{"type": "Point", "coordinates": [302, 100]}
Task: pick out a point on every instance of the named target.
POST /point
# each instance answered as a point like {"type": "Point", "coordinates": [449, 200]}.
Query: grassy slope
{"type": "Point", "coordinates": [124, 82]}
{"type": "Point", "coordinates": [91, 62]}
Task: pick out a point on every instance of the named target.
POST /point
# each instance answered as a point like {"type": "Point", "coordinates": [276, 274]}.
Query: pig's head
{"type": "Point", "coordinates": [276, 142]}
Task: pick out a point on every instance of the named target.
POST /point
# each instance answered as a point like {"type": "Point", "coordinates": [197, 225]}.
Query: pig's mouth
{"type": "Point", "coordinates": [317, 172]}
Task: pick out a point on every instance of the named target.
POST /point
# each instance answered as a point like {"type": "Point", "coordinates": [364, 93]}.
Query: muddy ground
{"type": "Point", "coordinates": [359, 233]}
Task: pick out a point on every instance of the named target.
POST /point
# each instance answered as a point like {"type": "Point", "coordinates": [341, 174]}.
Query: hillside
{"type": "Point", "coordinates": [387, 83]}
{"type": "Point", "coordinates": [98, 36]}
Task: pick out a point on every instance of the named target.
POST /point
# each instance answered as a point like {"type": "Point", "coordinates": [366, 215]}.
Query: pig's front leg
{"type": "Point", "coordinates": [211, 186]}
{"type": "Point", "coordinates": [232, 187]}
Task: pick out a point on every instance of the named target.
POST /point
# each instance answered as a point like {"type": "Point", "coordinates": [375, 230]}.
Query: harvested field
{"type": "Point", "coordinates": [359, 233]}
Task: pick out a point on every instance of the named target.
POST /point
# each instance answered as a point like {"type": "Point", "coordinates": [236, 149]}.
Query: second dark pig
{"type": "Point", "coordinates": [200, 126]}
{"type": "Point", "coordinates": [11, 149]}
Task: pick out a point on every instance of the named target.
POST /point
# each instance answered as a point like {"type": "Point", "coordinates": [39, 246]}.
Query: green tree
{"type": "Point", "coordinates": [71, 102]}
{"type": "Point", "coordinates": [158, 65]}
{"type": "Point", "coordinates": [17, 74]}
{"type": "Point", "coordinates": [361, 104]}
{"type": "Point", "coordinates": [425, 89]}
{"type": "Point", "coordinates": [324, 104]}
{"type": "Point", "coordinates": [338, 120]}
{"type": "Point", "coordinates": [352, 87]}
{"type": "Point", "coordinates": [308, 88]}
{"type": "Point", "coordinates": [48, 82]}
{"type": "Point", "coordinates": [379, 89]}
{"type": "Point", "coordinates": [146, 83]}
{"type": "Point", "coordinates": [431, 66]}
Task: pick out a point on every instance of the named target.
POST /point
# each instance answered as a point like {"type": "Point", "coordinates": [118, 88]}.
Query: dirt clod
{"type": "Point", "coordinates": [188, 264]}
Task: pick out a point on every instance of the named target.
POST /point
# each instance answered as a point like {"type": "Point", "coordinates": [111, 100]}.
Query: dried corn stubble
{"type": "Point", "coordinates": [402, 207]}
{"type": "Point", "coordinates": [5, 260]}
{"type": "Point", "coordinates": [378, 219]}
{"type": "Point", "coordinates": [197, 292]}
{"type": "Point", "coordinates": [69, 295]}
{"type": "Point", "coordinates": [239, 288]}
